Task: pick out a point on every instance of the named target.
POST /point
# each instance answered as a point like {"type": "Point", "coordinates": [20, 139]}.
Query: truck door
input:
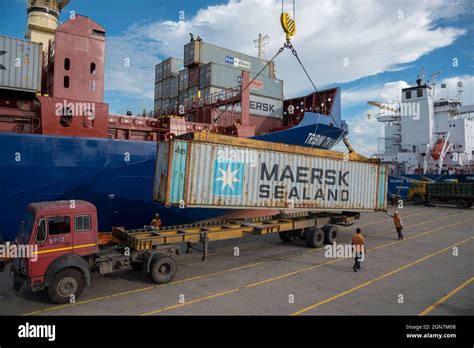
{"type": "Point", "coordinates": [85, 234]}
{"type": "Point", "coordinates": [54, 238]}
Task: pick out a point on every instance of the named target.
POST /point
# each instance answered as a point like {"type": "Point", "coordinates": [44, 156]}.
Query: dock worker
{"type": "Point", "coordinates": [398, 223]}
{"type": "Point", "coordinates": [156, 222]}
{"type": "Point", "coordinates": [358, 244]}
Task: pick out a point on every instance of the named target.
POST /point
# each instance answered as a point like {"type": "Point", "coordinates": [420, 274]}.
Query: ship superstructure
{"type": "Point", "coordinates": [427, 135]}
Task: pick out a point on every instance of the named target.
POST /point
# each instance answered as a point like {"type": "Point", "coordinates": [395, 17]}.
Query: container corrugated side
{"type": "Point", "coordinates": [159, 72]}
{"type": "Point", "coordinates": [20, 64]}
{"type": "Point", "coordinates": [259, 106]}
{"type": "Point", "coordinates": [198, 52]}
{"type": "Point", "coordinates": [240, 177]}
{"type": "Point", "coordinates": [218, 75]}
{"type": "Point", "coordinates": [171, 67]}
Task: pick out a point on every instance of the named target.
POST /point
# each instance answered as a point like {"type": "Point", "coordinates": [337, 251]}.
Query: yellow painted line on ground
{"type": "Point", "coordinates": [417, 224]}
{"type": "Point", "coordinates": [143, 289]}
{"type": "Point", "coordinates": [386, 275]}
{"type": "Point", "coordinates": [286, 275]}
{"type": "Point", "coordinates": [125, 293]}
{"type": "Point", "coordinates": [445, 297]}
{"type": "Point", "coordinates": [385, 220]}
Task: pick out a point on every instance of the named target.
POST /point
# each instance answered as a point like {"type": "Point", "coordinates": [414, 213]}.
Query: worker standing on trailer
{"type": "Point", "coordinates": [398, 223]}
{"type": "Point", "coordinates": [156, 222]}
{"type": "Point", "coordinates": [358, 245]}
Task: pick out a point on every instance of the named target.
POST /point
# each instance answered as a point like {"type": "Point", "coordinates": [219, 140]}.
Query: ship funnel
{"type": "Point", "coordinates": [43, 19]}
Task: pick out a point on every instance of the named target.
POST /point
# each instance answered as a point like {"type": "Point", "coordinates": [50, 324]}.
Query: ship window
{"type": "Point", "coordinates": [419, 93]}
{"type": "Point", "coordinates": [82, 223]}
{"type": "Point", "coordinates": [65, 118]}
{"type": "Point", "coordinates": [93, 68]}
{"type": "Point", "coordinates": [98, 32]}
{"type": "Point", "coordinates": [59, 225]}
{"type": "Point", "coordinates": [88, 118]}
{"type": "Point", "coordinates": [67, 64]}
{"type": "Point", "coordinates": [408, 95]}
{"type": "Point", "coordinates": [66, 81]}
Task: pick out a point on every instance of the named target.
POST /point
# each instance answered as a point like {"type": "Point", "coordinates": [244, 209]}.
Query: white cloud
{"type": "Point", "coordinates": [451, 90]}
{"type": "Point", "coordinates": [389, 92]}
{"type": "Point", "coordinates": [367, 32]}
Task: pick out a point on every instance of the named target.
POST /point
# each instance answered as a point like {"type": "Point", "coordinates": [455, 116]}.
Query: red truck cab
{"type": "Point", "coordinates": [60, 236]}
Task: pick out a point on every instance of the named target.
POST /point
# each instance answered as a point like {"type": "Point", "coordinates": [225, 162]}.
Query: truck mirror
{"type": "Point", "coordinates": [41, 231]}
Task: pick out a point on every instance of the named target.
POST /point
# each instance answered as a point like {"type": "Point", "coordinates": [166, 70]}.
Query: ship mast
{"type": "Point", "coordinates": [43, 19]}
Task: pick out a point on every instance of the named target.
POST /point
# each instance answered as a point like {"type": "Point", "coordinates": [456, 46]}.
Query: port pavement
{"type": "Point", "coordinates": [430, 272]}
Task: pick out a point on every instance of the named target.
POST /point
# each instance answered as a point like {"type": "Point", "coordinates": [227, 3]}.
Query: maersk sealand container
{"type": "Point", "coordinates": [218, 171]}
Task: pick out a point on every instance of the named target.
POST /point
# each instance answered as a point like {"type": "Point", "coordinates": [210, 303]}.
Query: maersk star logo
{"type": "Point", "coordinates": [228, 178]}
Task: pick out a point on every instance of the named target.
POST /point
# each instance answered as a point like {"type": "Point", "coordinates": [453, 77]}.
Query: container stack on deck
{"type": "Point", "coordinates": [210, 70]}
{"type": "Point", "coordinates": [166, 85]}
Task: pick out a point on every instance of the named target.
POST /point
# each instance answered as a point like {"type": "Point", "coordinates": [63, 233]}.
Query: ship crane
{"type": "Point", "coordinates": [383, 106]}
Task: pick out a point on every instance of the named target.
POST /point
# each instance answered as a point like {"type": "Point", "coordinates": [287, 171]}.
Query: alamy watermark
{"type": "Point", "coordinates": [13, 251]}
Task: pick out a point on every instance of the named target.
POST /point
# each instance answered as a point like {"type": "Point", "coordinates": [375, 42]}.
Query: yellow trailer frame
{"type": "Point", "coordinates": [151, 238]}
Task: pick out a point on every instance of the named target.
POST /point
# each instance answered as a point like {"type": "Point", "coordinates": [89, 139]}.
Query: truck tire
{"type": "Point", "coordinates": [314, 237]}
{"type": "Point", "coordinates": [462, 204]}
{"type": "Point", "coordinates": [65, 283]}
{"type": "Point", "coordinates": [418, 200]}
{"type": "Point", "coordinates": [331, 233]}
{"type": "Point", "coordinates": [162, 269]}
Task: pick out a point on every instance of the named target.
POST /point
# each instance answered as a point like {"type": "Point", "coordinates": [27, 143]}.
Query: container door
{"type": "Point", "coordinates": [178, 172]}
{"type": "Point", "coordinates": [382, 189]}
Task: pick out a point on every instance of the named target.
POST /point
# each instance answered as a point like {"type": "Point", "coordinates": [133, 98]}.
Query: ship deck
{"type": "Point", "coordinates": [419, 275]}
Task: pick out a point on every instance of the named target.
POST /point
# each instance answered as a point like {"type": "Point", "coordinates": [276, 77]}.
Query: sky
{"type": "Point", "coordinates": [370, 48]}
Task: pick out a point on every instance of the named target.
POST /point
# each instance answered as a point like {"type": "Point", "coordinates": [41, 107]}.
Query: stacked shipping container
{"type": "Point", "coordinates": [209, 69]}
{"type": "Point", "coordinates": [166, 85]}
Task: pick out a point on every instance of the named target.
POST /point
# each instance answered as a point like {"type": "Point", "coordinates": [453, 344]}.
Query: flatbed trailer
{"type": "Point", "coordinates": [69, 248]}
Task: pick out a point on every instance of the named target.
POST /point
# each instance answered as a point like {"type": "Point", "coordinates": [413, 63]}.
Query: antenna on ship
{"type": "Point", "coordinates": [260, 43]}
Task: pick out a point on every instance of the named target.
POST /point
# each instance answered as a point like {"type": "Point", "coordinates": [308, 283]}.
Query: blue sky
{"type": "Point", "coordinates": [386, 43]}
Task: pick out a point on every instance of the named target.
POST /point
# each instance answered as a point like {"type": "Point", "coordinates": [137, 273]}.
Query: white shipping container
{"type": "Point", "coordinates": [20, 64]}
{"type": "Point", "coordinates": [228, 172]}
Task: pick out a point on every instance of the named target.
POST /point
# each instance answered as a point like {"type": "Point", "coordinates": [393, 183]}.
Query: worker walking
{"type": "Point", "coordinates": [398, 223]}
{"type": "Point", "coordinates": [358, 245]}
{"type": "Point", "coordinates": [156, 222]}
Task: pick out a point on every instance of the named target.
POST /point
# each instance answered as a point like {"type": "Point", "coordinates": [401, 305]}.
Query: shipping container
{"type": "Point", "coordinates": [260, 106]}
{"type": "Point", "coordinates": [198, 52]}
{"type": "Point", "coordinates": [171, 67]}
{"type": "Point", "coordinates": [166, 88]}
{"type": "Point", "coordinates": [193, 76]}
{"type": "Point", "coordinates": [183, 97]}
{"type": "Point", "coordinates": [183, 79]}
{"type": "Point", "coordinates": [158, 90]}
{"type": "Point", "coordinates": [20, 64]}
{"type": "Point", "coordinates": [157, 106]}
{"type": "Point", "coordinates": [173, 107]}
{"type": "Point", "coordinates": [217, 75]}
{"type": "Point", "coordinates": [159, 72]}
{"type": "Point", "coordinates": [219, 171]}
{"type": "Point", "coordinates": [174, 87]}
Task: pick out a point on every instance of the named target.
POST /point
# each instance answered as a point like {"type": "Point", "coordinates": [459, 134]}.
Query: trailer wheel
{"type": "Point", "coordinates": [462, 204]}
{"type": "Point", "coordinates": [418, 200]}
{"type": "Point", "coordinates": [331, 233]}
{"type": "Point", "coordinates": [65, 283]}
{"type": "Point", "coordinates": [162, 269]}
{"type": "Point", "coordinates": [314, 237]}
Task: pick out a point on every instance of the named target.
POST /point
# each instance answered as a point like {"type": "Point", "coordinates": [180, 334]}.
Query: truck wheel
{"type": "Point", "coordinates": [418, 200]}
{"type": "Point", "coordinates": [162, 269]}
{"type": "Point", "coordinates": [314, 237]}
{"type": "Point", "coordinates": [65, 283]}
{"type": "Point", "coordinates": [462, 204]}
{"type": "Point", "coordinates": [331, 233]}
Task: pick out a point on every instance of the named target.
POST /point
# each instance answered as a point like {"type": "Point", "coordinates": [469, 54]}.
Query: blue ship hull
{"type": "Point", "coordinates": [115, 175]}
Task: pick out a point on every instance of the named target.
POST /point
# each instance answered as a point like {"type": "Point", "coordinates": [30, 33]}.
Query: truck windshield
{"type": "Point", "coordinates": [25, 228]}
